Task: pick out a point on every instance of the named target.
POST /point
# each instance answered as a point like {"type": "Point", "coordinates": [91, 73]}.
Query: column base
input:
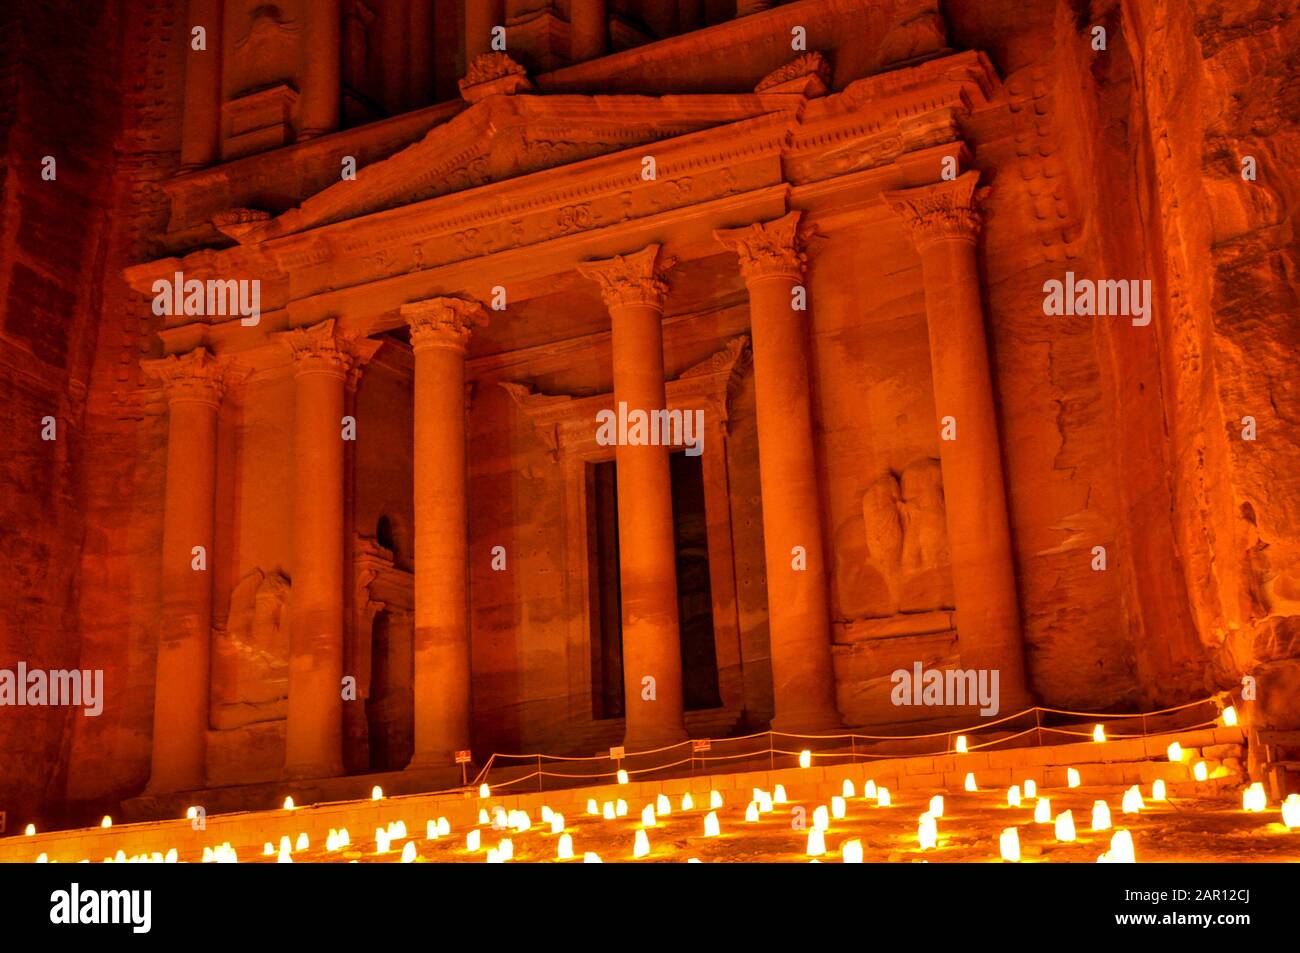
{"type": "Point", "coordinates": [304, 772]}
{"type": "Point", "coordinates": [813, 722]}
{"type": "Point", "coordinates": [634, 743]}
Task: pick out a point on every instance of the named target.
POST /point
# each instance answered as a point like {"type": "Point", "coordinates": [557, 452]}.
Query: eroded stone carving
{"type": "Point", "coordinates": [250, 654]}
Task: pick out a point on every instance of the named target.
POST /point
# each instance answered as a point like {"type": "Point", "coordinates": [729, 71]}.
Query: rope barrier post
{"type": "Point", "coordinates": [1144, 724]}
{"type": "Point", "coordinates": [1038, 726]}
{"type": "Point", "coordinates": [771, 751]}
{"type": "Point", "coordinates": [539, 772]}
{"type": "Point", "coordinates": [853, 749]}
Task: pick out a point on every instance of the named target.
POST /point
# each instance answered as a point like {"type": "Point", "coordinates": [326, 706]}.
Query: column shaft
{"type": "Point", "coordinates": [480, 17]}
{"type": "Point", "coordinates": [440, 330]}
{"type": "Point", "coordinates": [201, 126]}
{"type": "Point", "coordinates": [181, 688]}
{"type": "Point", "coordinates": [803, 678]}
{"type": "Point", "coordinates": [944, 224]}
{"type": "Point", "coordinates": [634, 293]}
{"type": "Point", "coordinates": [587, 27]}
{"type": "Point", "coordinates": [321, 82]}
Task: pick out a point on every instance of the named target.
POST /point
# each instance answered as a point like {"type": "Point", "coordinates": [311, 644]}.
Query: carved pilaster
{"type": "Point", "coordinates": [631, 279]}
{"type": "Point", "coordinates": [941, 212]}
{"type": "Point", "coordinates": [323, 349]}
{"type": "Point", "coordinates": [443, 322]}
{"type": "Point", "coordinates": [197, 376]}
{"type": "Point", "coordinates": [767, 249]}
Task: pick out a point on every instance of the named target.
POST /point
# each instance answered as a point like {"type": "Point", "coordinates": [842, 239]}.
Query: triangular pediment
{"type": "Point", "coordinates": [505, 137]}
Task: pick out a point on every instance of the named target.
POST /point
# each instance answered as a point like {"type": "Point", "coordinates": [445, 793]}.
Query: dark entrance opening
{"type": "Point", "coordinates": [694, 590]}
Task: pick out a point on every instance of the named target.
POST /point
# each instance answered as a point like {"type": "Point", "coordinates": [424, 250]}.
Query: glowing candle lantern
{"type": "Point", "coordinates": [382, 841]}
{"type": "Point", "coordinates": [43, 859]}
{"type": "Point", "coordinates": [1132, 803]}
{"type": "Point", "coordinates": [1121, 848]}
{"type": "Point", "coordinates": [882, 797]}
{"type": "Point", "coordinates": [106, 822]}
{"type": "Point", "coordinates": [592, 808]}
{"type": "Point", "coordinates": [484, 790]}
{"type": "Point", "coordinates": [284, 844]}
{"type": "Point", "coordinates": [1072, 778]}
{"type": "Point", "coordinates": [171, 857]}
{"type": "Point", "coordinates": [648, 816]}
{"type": "Point", "coordinates": [500, 818]}
{"type": "Point", "coordinates": [847, 789]}
{"type": "Point", "coordinates": [1098, 733]}
{"type": "Point", "coordinates": [778, 794]}
{"type": "Point", "coordinates": [765, 805]}
{"type": "Point", "coordinates": [961, 744]}
{"type": "Point", "coordinates": [376, 793]}
{"type": "Point", "coordinates": [207, 855]}
{"type": "Point", "coordinates": [715, 800]}
{"type": "Point", "coordinates": [711, 826]}
{"type": "Point", "coordinates": [805, 758]}
{"type": "Point", "coordinates": [688, 802]}
{"type": "Point", "coordinates": [288, 804]}
{"type": "Point", "coordinates": [564, 849]}
{"type": "Point", "coordinates": [494, 856]}
{"type": "Point", "coordinates": [1158, 790]}
{"type": "Point", "coordinates": [927, 831]}
{"type": "Point", "coordinates": [522, 822]}
{"type": "Point", "coordinates": [822, 818]}
{"type": "Point", "coordinates": [591, 857]}
{"type": "Point", "coordinates": [1253, 798]}
{"type": "Point", "coordinates": [1065, 826]}
{"type": "Point", "coordinates": [546, 814]}
{"type": "Point", "coordinates": [557, 822]}
{"type": "Point", "coordinates": [1013, 796]}
{"type": "Point", "coordinates": [1009, 844]}
{"type": "Point", "coordinates": [483, 816]}
{"type": "Point", "coordinates": [622, 776]}
{"type": "Point", "coordinates": [838, 808]}
{"type": "Point", "coordinates": [970, 781]}
{"type": "Point", "coordinates": [268, 849]}
{"type": "Point", "coordinates": [1175, 751]}
{"type": "Point", "coordinates": [1043, 811]}
{"type": "Point", "coordinates": [30, 830]}
{"type": "Point", "coordinates": [283, 857]}
{"type": "Point", "coordinates": [1199, 771]}
{"type": "Point", "coordinates": [751, 813]}
{"type": "Point", "coordinates": [620, 807]}
{"type": "Point", "coordinates": [868, 790]}
{"type": "Point", "coordinates": [472, 841]}
{"type": "Point", "coordinates": [1030, 788]}
{"type": "Point", "coordinates": [641, 847]}
{"type": "Point", "coordinates": [444, 828]}
{"type": "Point", "coordinates": [936, 805]}
{"type": "Point", "coordinates": [1230, 717]}
{"type": "Point", "coordinates": [191, 813]}
{"type": "Point", "coordinates": [607, 809]}
{"type": "Point", "coordinates": [663, 805]}
{"type": "Point", "coordinates": [408, 852]}
{"type": "Point", "coordinates": [506, 848]}
{"type": "Point", "coordinates": [1291, 811]}
{"type": "Point", "coordinates": [816, 843]}
{"type": "Point", "coordinates": [431, 830]}
{"type": "Point", "coordinates": [302, 842]}
{"type": "Point", "coordinates": [1100, 816]}
{"type": "Point", "coordinates": [851, 851]}
{"type": "Point", "coordinates": [332, 840]}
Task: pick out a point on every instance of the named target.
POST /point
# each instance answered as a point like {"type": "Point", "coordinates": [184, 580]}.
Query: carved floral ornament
{"type": "Point", "coordinates": [443, 322]}
{"type": "Point", "coordinates": [945, 211]}
{"type": "Point", "coordinates": [196, 376]}
{"type": "Point", "coordinates": [637, 279]}
{"type": "Point", "coordinates": [767, 249]}
{"type": "Point", "coordinates": [323, 349]}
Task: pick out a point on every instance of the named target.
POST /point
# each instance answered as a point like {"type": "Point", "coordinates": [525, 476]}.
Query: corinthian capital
{"type": "Point", "coordinates": [940, 212]}
{"type": "Point", "coordinates": [631, 279]}
{"type": "Point", "coordinates": [443, 322]}
{"type": "Point", "coordinates": [195, 376]}
{"type": "Point", "coordinates": [323, 349]}
{"type": "Point", "coordinates": [767, 249]}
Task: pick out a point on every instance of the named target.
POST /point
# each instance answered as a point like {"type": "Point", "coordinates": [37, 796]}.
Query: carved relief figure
{"type": "Point", "coordinates": [250, 658]}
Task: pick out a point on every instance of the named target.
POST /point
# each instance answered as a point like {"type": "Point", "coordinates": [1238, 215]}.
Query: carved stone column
{"type": "Point", "coordinates": [944, 223]}
{"type": "Point", "coordinates": [480, 17]}
{"type": "Point", "coordinates": [634, 291]}
{"type": "Point", "coordinates": [440, 332]}
{"type": "Point", "coordinates": [323, 360]}
{"type": "Point", "coordinates": [587, 30]}
{"type": "Point", "coordinates": [322, 64]}
{"type": "Point", "coordinates": [803, 680]}
{"type": "Point", "coordinates": [201, 127]}
{"type": "Point", "coordinates": [194, 385]}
